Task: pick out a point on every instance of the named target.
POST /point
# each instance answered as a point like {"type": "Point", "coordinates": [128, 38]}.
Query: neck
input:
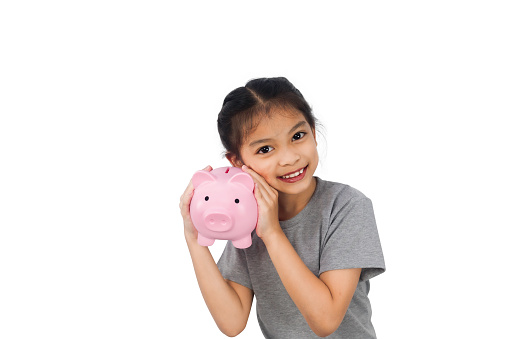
{"type": "Point", "coordinates": [291, 204]}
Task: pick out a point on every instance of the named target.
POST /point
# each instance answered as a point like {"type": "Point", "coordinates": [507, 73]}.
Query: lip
{"type": "Point", "coordinates": [294, 179]}
{"type": "Point", "coordinates": [291, 172]}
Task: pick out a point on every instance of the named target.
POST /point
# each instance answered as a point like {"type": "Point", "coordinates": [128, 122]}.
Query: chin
{"type": "Point", "coordinates": [297, 187]}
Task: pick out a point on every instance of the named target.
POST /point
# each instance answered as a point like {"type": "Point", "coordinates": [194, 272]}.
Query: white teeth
{"type": "Point", "coordinates": [293, 174]}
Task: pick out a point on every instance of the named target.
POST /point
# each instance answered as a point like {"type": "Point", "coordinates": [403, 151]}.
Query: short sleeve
{"type": "Point", "coordinates": [233, 265]}
{"type": "Point", "coordinates": [352, 240]}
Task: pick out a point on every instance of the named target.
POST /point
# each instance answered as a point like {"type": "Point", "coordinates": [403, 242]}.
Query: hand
{"type": "Point", "coordinates": [267, 200]}
{"type": "Point", "coordinates": [185, 200]}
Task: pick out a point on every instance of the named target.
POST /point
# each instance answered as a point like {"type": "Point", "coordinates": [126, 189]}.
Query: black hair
{"type": "Point", "coordinates": [243, 106]}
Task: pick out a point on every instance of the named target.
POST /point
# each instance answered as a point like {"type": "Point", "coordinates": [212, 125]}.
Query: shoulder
{"type": "Point", "coordinates": [338, 192]}
{"type": "Point", "coordinates": [338, 200]}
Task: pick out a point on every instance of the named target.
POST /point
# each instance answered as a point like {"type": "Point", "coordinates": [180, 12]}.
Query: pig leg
{"type": "Point", "coordinates": [204, 241]}
{"type": "Point", "coordinates": [244, 242]}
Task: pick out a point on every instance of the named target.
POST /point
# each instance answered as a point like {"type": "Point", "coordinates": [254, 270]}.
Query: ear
{"type": "Point", "coordinates": [244, 179]}
{"type": "Point", "coordinates": [202, 176]}
{"type": "Point", "coordinates": [234, 160]}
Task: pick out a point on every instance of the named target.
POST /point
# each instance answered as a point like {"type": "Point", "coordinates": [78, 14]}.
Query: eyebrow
{"type": "Point", "coordinates": [292, 130]}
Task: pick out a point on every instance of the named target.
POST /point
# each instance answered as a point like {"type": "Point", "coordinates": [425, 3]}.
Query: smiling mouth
{"type": "Point", "coordinates": [293, 176]}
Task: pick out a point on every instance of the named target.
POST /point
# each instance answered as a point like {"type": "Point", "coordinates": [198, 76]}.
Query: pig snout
{"type": "Point", "coordinates": [218, 221]}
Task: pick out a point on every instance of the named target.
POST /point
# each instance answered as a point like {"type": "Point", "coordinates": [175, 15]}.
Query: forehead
{"type": "Point", "coordinates": [274, 125]}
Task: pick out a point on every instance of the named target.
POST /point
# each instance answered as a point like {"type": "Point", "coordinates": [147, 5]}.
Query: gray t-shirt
{"type": "Point", "coordinates": [336, 230]}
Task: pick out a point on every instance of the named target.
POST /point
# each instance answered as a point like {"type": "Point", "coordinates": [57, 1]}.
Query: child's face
{"type": "Point", "coordinates": [280, 146]}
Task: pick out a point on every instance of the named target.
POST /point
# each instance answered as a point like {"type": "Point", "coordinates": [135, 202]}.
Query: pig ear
{"type": "Point", "coordinates": [202, 176]}
{"type": "Point", "coordinates": [243, 179]}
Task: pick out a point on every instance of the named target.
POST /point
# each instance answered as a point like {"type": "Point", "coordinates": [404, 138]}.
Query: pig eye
{"type": "Point", "coordinates": [237, 201]}
{"type": "Point", "coordinates": [207, 198]}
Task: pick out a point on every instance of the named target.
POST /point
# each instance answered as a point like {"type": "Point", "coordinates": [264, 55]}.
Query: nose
{"type": "Point", "coordinates": [218, 222]}
{"type": "Point", "coordinates": [289, 157]}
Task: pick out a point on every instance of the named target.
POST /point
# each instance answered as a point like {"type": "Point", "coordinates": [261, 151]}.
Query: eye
{"type": "Point", "coordinates": [299, 135]}
{"type": "Point", "coordinates": [207, 198]}
{"type": "Point", "coordinates": [265, 149]}
{"type": "Point", "coordinates": [237, 201]}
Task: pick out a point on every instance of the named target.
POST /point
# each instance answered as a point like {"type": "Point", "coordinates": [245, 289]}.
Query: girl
{"type": "Point", "coordinates": [316, 243]}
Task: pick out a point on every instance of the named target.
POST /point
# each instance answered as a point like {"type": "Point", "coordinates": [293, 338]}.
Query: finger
{"type": "Point", "coordinates": [249, 170]}
{"type": "Point", "coordinates": [268, 192]}
{"type": "Point", "coordinates": [188, 191]}
{"type": "Point", "coordinates": [263, 192]}
{"type": "Point", "coordinates": [185, 200]}
{"type": "Point", "coordinates": [260, 198]}
{"type": "Point", "coordinates": [261, 186]}
{"type": "Point", "coordinates": [256, 177]}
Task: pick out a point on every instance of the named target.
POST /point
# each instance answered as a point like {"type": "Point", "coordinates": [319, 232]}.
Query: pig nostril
{"type": "Point", "coordinates": [218, 222]}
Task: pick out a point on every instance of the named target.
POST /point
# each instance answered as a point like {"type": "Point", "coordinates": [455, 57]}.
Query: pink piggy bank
{"type": "Point", "coordinates": [223, 206]}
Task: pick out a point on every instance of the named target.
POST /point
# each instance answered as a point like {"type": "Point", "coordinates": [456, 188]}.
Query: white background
{"type": "Point", "coordinates": [109, 107]}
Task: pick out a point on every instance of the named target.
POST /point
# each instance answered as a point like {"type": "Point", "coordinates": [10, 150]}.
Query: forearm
{"type": "Point", "coordinates": [310, 294]}
{"type": "Point", "coordinates": [222, 301]}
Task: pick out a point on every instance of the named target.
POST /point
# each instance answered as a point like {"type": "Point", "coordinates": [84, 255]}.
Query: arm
{"type": "Point", "coordinates": [322, 301]}
{"type": "Point", "coordinates": [229, 303]}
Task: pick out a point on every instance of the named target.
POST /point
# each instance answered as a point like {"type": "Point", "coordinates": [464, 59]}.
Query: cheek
{"type": "Point", "coordinates": [312, 150]}
{"type": "Point", "coordinates": [266, 170]}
